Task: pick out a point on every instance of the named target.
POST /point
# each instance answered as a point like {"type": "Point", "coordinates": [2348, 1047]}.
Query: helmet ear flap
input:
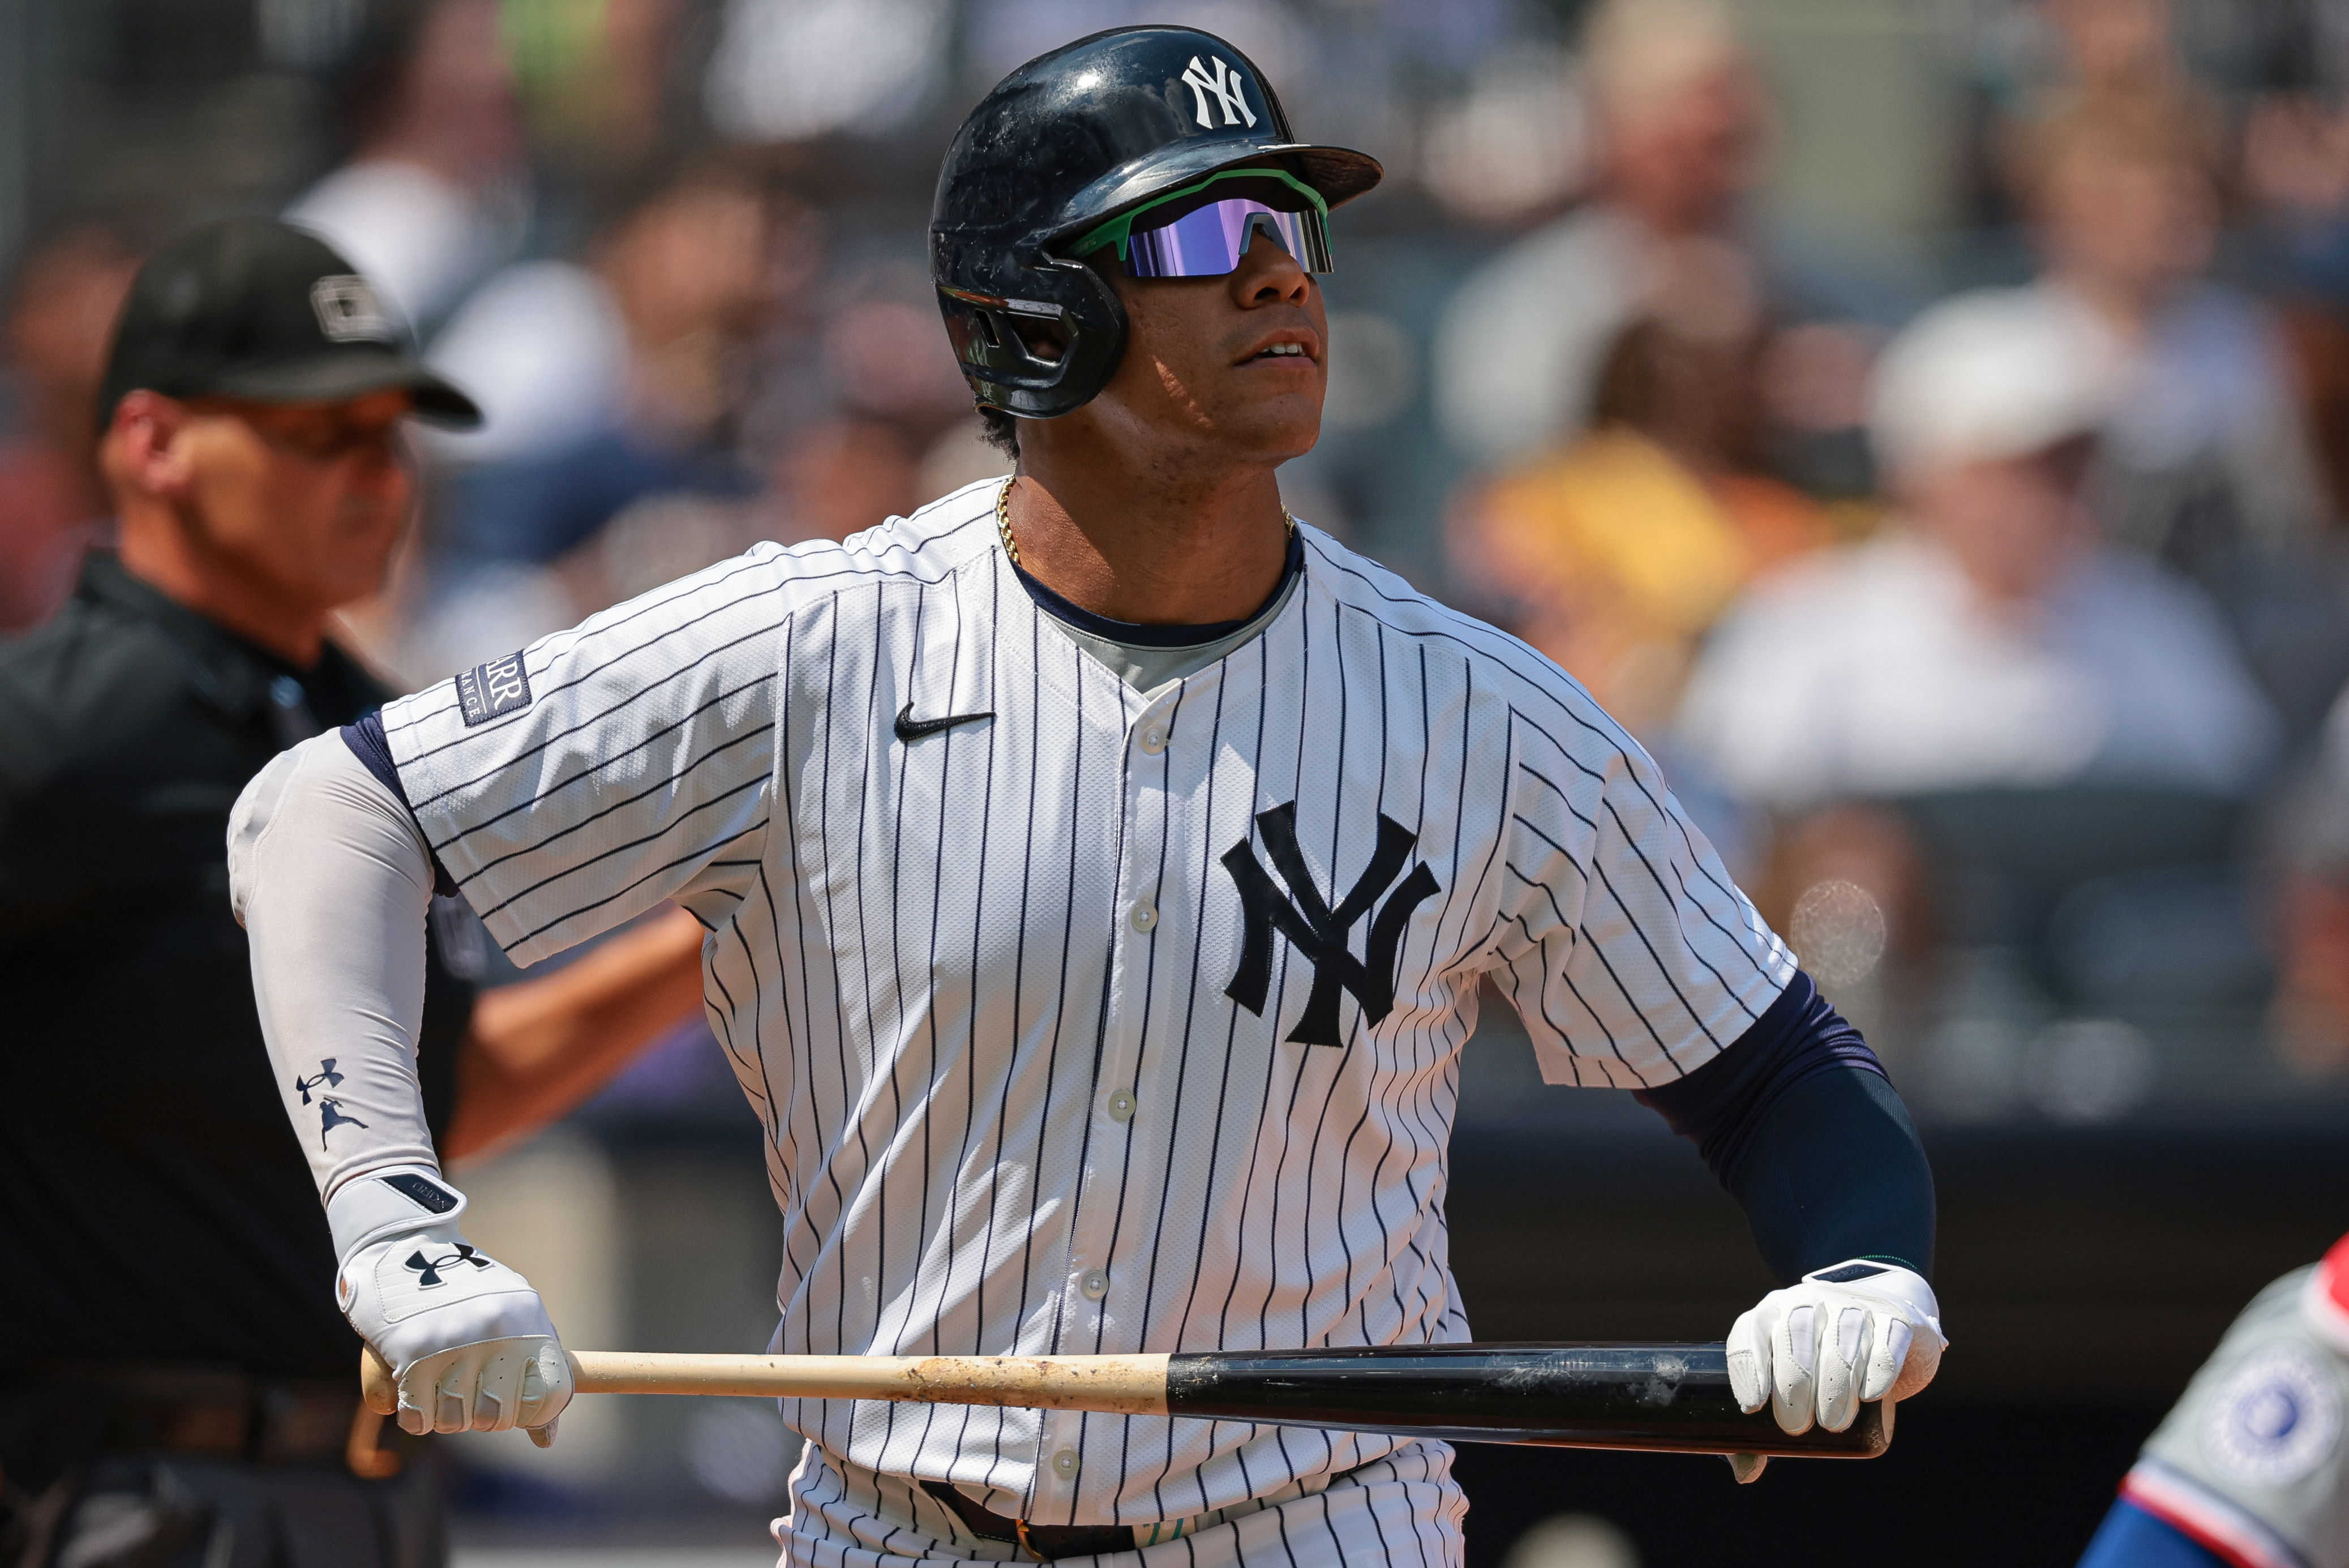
{"type": "Point", "coordinates": [1034, 357]}
{"type": "Point", "coordinates": [1013, 337]}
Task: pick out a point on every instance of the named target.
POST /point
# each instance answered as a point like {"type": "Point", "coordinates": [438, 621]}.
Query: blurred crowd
{"type": "Point", "coordinates": [1990, 605]}
{"type": "Point", "coordinates": [1997, 643]}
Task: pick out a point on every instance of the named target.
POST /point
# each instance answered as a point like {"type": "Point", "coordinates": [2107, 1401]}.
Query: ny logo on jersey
{"type": "Point", "coordinates": [1320, 933]}
{"type": "Point", "coordinates": [1226, 85]}
{"type": "Point", "coordinates": [332, 1116]}
{"type": "Point", "coordinates": [326, 1075]}
{"type": "Point", "coordinates": [429, 1271]}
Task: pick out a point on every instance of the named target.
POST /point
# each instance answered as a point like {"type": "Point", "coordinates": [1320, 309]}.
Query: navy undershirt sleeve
{"type": "Point", "coordinates": [1797, 1120]}
{"type": "Point", "coordinates": [367, 741]}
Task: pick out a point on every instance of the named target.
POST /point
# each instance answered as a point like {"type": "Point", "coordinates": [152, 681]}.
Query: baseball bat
{"type": "Point", "coordinates": [1658, 1398]}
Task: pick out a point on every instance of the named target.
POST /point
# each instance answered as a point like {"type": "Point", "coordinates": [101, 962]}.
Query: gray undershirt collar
{"type": "Point", "coordinates": [1147, 669]}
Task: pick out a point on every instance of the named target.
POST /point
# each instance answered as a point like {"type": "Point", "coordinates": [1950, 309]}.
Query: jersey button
{"type": "Point", "coordinates": [1064, 1463]}
{"type": "Point", "coordinates": [1144, 916]}
{"type": "Point", "coordinates": [1154, 738]}
{"type": "Point", "coordinates": [1120, 1105]}
{"type": "Point", "coordinates": [1095, 1284]}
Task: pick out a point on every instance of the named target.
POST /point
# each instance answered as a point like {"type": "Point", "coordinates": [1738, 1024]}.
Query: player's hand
{"type": "Point", "coordinates": [1816, 1350]}
{"type": "Point", "coordinates": [469, 1343]}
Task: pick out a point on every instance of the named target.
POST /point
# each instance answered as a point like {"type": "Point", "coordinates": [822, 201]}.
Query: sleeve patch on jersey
{"type": "Point", "coordinates": [490, 690]}
{"type": "Point", "coordinates": [2274, 1420]}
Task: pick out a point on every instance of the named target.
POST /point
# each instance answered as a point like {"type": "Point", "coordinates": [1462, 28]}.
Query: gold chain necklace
{"type": "Point", "coordinates": [1003, 520]}
{"type": "Point", "coordinates": [1011, 546]}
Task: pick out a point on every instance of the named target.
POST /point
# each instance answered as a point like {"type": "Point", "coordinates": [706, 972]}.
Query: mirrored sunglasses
{"type": "Point", "coordinates": [1209, 241]}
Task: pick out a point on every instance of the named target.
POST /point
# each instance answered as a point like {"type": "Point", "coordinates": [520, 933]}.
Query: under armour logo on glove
{"type": "Point", "coordinates": [428, 1271]}
{"type": "Point", "coordinates": [1319, 933]}
{"type": "Point", "coordinates": [326, 1074]}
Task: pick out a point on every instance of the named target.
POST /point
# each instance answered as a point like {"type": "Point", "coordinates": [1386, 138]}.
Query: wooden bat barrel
{"type": "Point", "coordinates": [1669, 1399]}
{"type": "Point", "coordinates": [1656, 1398]}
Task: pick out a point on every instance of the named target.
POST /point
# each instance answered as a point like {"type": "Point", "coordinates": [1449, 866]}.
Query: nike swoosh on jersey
{"type": "Point", "coordinates": [912, 728]}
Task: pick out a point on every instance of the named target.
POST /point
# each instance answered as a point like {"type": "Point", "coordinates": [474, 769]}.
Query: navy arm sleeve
{"type": "Point", "coordinates": [1797, 1120]}
{"type": "Point", "coordinates": [366, 740]}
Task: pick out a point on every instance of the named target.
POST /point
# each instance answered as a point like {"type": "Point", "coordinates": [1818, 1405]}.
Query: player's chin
{"type": "Point", "coordinates": [1274, 423]}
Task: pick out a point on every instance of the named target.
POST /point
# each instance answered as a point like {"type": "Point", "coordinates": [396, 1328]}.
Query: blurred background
{"type": "Point", "coordinates": [1925, 422]}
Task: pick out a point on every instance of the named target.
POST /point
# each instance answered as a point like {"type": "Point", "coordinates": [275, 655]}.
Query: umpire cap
{"type": "Point", "coordinates": [251, 308]}
{"type": "Point", "coordinates": [1097, 128]}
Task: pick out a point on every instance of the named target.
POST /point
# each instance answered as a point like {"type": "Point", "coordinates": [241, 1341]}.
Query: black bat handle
{"type": "Point", "coordinates": [1669, 1399]}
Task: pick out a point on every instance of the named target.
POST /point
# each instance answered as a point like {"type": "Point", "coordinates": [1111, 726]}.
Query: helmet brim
{"type": "Point", "coordinates": [1338, 173]}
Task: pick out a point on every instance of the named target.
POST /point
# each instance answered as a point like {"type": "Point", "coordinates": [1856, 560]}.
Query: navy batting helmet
{"type": "Point", "coordinates": [1064, 145]}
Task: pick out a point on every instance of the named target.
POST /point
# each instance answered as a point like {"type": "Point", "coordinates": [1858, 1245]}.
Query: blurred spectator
{"type": "Point", "coordinates": [881, 60]}
{"type": "Point", "coordinates": [648, 342]}
{"type": "Point", "coordinates": [2296, 176]}
{"type": "Point", "coordinates": [1988, 637]}
{"type": "Point", "coordinates": [435, 192]}
{"type": "Point", "coordinates": [2204, 454]}
{"type": "Point", "coordinates": [605, 384]}
{"type": "Point", "coordinates": [1677, 122]}
{"type": "Point", "coordinates": [1615, 553]}
{"type": "Point", "coordinates": [60, 309]}
{"type": "Point", "coordinates": [843, 477]}
{"type": "Point", "coordinates": [2308, 1019]}
{"type": "Point", "coordinates": [598, 83]}
{"type": "Point", "coordinates": [2112, 47]}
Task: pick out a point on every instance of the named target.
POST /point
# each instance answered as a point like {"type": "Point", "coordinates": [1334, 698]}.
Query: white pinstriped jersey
{"type": "Point", "coordinates": [1096, 1021]}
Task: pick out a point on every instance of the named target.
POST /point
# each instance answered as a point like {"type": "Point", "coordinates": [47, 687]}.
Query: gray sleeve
{"type": "Point", "coordinates": [331, 880]}
{"type": "Point", "coordinates": [2253, 1453]}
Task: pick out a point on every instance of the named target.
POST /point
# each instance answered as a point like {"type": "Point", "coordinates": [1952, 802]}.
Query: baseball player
{"type": "Point", "coordinates": [1099, 870]}
{"type": "Point", "coordinates": [2249, 1469]}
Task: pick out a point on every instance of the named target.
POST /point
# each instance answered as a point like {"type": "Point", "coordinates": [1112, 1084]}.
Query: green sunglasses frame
{"type": "Point", "coordinates": [1120, 229]}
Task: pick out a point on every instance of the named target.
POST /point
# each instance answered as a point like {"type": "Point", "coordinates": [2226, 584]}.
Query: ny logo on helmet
{"type": "Point", "coordinates": [1320, 933]}
{"type": "Point", "coordinates": [1226, 84]}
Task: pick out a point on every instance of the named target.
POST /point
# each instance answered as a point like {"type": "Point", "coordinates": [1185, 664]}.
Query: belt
{"type": "Point", "coordinates": [1044, 1543]}
{"type": "Point", "coordinates": [1048, 1543]}
{"type": "Point", "coordinates": [223, 1413]}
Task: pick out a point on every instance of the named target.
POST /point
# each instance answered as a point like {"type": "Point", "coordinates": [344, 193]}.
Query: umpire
{"type": "Point", "coordinates": [176, 1383]}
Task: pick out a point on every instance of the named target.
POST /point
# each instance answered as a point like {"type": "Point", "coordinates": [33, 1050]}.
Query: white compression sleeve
{"type": "Point", "coordinates": [331, 880]}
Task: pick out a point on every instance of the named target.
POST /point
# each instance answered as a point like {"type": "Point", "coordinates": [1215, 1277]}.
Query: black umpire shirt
{"type": "Point", "coordinates": [154, 1205]}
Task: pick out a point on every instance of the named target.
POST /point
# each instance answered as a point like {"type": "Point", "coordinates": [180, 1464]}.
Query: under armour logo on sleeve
{"type": "Point", "coordinates": [1319, 933]}
{"type": "Point", "coordinates": [326, 1074]}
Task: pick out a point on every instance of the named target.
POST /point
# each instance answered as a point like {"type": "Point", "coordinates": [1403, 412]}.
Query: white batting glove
{"type": "Point", "coordinates": [469, 1343]}
{"type": "Point", "coordinates": [1818, 1349]}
